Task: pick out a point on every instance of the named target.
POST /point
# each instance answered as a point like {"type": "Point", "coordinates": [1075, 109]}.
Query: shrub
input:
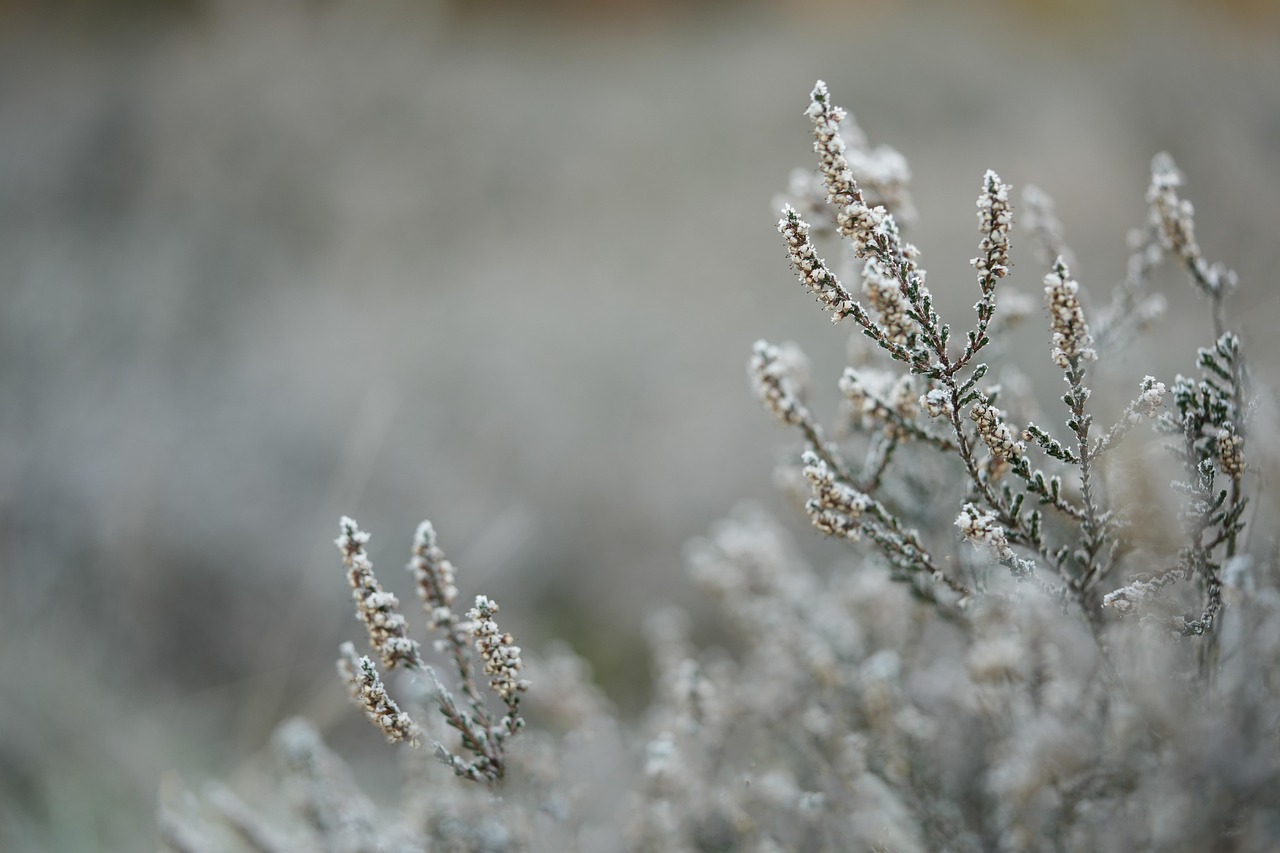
{"type": "Point", "coordinates": [1093, 670]}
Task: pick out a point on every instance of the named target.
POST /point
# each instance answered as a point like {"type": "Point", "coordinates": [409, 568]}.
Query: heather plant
{"type": "Point", "coordinates": [1011, 478]}
{"type": "Point", "coordinates": [1092, 670]}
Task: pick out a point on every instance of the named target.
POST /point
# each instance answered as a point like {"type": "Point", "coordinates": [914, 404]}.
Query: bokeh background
{"type": "Point", "coordinates": [495, 264]}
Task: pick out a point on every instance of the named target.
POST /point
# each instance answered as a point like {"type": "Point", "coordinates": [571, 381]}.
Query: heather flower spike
{"type": "Point", "coordinates": [501, 658]}
{"type": "Point", "coordinates": [368, 691]}
{"type": "Point", "coordinates": [377, 609]}
{"type": "Point", "coordinates": [1072, 344]}
{"type": "Point", "coordinates": [812, 269]}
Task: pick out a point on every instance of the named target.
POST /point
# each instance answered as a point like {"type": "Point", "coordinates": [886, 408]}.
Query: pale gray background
{"type": "Point", "coordinates": [263, 264]}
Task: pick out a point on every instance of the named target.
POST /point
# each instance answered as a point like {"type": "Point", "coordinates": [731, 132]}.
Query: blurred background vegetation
{"type": "Point", "coordinates": [498, 264]}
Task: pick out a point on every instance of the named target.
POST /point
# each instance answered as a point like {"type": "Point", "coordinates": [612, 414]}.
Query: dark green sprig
{"type": "Point", "coordinates": [1050, 445]}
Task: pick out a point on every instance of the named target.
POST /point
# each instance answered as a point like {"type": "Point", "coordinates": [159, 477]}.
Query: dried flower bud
{"type": "Point", "coordinates": [937, 403]}
{"type": "Point", "coordinates": [1231, 453]}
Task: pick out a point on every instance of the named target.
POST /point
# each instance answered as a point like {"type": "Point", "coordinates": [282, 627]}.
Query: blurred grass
{"type": "Point", "coordinates": [264, 265]}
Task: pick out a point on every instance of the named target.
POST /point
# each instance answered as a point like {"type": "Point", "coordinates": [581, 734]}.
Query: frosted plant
{"type": "Point", "coordinates": [1015, 658]}
{"type": "Point", "coordinates": [483, 734]}
{"type": "Point", "coordinates": [1036, 499]}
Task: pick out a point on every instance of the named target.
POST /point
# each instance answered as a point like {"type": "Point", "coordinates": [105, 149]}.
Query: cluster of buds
{"type": "Point", "coordinates": [1151, 400]}
{"type": "Point", "coordinates": [886, 297]}
{"type": "Point", "coordinates": [854, 218]}
{"type": "Point", "coordinates": [836, 507]}
{"type": "Point", "coordinates": [878, 398]}
{"type": "Point", "coordinates": [368, 691]}
{"type": "Point", "coordinates": [900, 318]}
{"type": "Point", "coordinates": [1174, 220]}
{"type": "Point", "coordinates": [775, 373]}
{"type": "Point", "coordinates": [937, 403]}
{"type": "Point", "coordinates": [1072, 343]}
{"type": "Point", "coordinates": [984, 530]}
{"type": "Point", "coordinates": [434, 575]}
{"type": "Point", "coordinates": [377, 609]}
{"type": "Point", "coordinates": [1173, 216]}
{"type": "Point", "coordinates": [996, 433]}
{"type": "Point", "coordinates": [842, 189]}
{"type": "Point", "coordinates": [1231, 453]}
{"type": "Point", "coordinates": [812, 269]}
{"type": "Point", "coordinates": [995, 220]}
{"type": "Point", "coordinates": [502, 662]}
{"type": "Point", "coordinates": [1005, 448]}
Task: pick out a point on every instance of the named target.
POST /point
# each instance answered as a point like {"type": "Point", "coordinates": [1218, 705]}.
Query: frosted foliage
{"type": "Point", "coordinates": [1013, 651]}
